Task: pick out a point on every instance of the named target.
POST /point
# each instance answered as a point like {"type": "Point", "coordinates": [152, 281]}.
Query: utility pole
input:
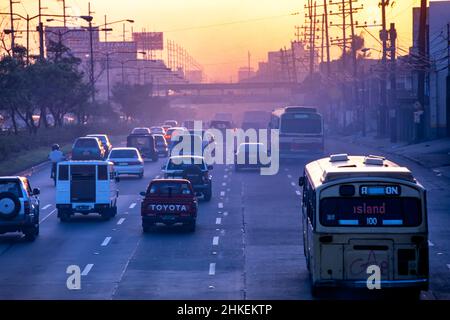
{"type": "Point", "coordinates": [421, 73]}
{"type": "Point", "coordinates": [41, 34]}
{"type": "Point", "coordinates": [13, 36]}
{"type": "Point", "coordinates": [248, 64]}
{"type": "Point", "coordinates": [106, 31]}
{"type": "Point", "coordinates": [64, 11]}
{"type": "Point", "coordinates": [393, 80]}
{"type": "Point", "coordinates": [382, 125]}
{"type": "Point", "coordinates": [327, 38]}
{"type": "Point", "coordinates": [294, 64]}
{"type": "Point", "coordinates": [28, 39]}
{"type": "Point", "coordinates": [353, 46]}
{"type": "Point", "coordinates": [297, 32]}
{"type": "Point", "coordinates": [91, 45]}
{"type": "Point", "coordinates": [344, 35]}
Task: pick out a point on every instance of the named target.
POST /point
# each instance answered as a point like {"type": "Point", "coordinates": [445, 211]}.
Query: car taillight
{"type": "Point", "coordinates": [26, 207]}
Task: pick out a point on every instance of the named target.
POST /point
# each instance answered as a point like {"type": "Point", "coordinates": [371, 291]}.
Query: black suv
{"type": "Point", "coordinates": [192, 168]}
{"type": "Point", "coordinates": [19, 207]}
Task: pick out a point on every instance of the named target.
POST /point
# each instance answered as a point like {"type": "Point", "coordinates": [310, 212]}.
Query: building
{"type": "Point", "coordinates": [113, 61]}
{"type": "Point", "coordinates": [246, 74]}
{"type": "Point", "coordinates": [439, 20]}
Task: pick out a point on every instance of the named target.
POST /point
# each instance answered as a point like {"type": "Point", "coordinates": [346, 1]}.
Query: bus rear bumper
{"type": "Point", "coordinates": [421, 283]}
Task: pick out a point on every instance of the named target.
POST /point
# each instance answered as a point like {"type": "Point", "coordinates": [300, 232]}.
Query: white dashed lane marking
{"type": "Point", "coordinates": [46, 207]}
{"type": "Point", "coordinates": [430, 244]}
{"type": "Point", "coordinates": [106, 241]}
{"type": "Point", "coordinates": [289, 176]}
{"type": "Point", "coordinates": [218, 220]}
{"type": "Point", "coordinates": [298, 192]}
{"type": "Point", "coordinates": [132, 205]}
{"type": "Point", "coordinates": [225, 176]}
{"type": "Point", "coordinates": [121, 220]}
{"type": "Point", "coordinates": [222, 193]}
{"type": "Point", "coordinates": [87, 269]}
{"type": "Point", "coordinates": [220, 205]}
{"type": "Point", "coordinates": [46, 217]}
{"type": "Point", "coordinates": [212, 269]}
{"type": "Point", "coordinates": [224, 184]}
{"type": "Point", "coordinates": [215, 241]}
{"type": "Point", "coordinates": [293, 184]}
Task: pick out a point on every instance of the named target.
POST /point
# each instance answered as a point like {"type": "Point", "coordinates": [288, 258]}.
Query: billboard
{"type": "Point", "coordinates": [149, 40]}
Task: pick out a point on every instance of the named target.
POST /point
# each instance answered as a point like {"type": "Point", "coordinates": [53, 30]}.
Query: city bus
{"type": "Point", "coordinates": [361, 211]}
{"type": "Point", "coordinates": [301, 131]}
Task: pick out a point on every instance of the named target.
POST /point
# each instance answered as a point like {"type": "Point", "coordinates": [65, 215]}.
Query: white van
{"type": "Point", "coordinates": [86, 187]}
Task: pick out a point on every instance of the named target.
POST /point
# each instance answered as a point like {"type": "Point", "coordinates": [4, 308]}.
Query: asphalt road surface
{"type": "Point", "coordinates": [247, 245]}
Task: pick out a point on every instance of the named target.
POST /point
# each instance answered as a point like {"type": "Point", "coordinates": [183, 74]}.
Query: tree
{"type": "Point", "coordinates": [131, 98]}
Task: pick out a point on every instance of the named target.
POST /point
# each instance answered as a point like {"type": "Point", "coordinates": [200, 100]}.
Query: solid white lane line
{"type": "Point", "coordinates": [218, 220]}
{"type": "Point", "coordinates": [212, 269]}
{"type": "Point", "coordinates": [220, 205]}
{"type": "Point", "coordinates": [106, 241]}
{"type": "Point", "coordinates": [132, 205]}
{"type": "Point", "coordinates": [222, 193]}
{"type": "Point", "coordinates": [46, 207]}
{"type": "Point", "coordinates": [87, 269]}
{"type": "Point", "coordinates": [297, 192]}
{"type": "Point", "coordinates": [45, 218]}
{"type": "Point", "coordinates": [121, 220]}
{"type": "Point", "coordinates": [215, 241]}
{"type": "Point", "coordinates": [430, 244]}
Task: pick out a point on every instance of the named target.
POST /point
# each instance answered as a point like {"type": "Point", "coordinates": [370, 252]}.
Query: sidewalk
{"type": "Point", "coordinates": [433, 154]}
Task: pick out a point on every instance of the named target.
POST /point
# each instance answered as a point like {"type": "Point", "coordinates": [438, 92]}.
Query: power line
{"type": "Point", "coordinates": [232, 22]}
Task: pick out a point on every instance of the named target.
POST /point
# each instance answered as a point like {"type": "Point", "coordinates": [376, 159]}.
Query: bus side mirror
{"type": "Point", "coordinates": [301, 181]}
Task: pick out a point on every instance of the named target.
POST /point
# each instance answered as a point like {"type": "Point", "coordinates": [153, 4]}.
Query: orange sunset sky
{"type": "Point", "coordinates": [203, 26]}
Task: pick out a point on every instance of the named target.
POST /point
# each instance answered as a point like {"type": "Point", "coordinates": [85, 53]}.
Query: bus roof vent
{"type": "Point", "coordinates": [339, 157]}
{"type": "Point", "coordinates": [374, 160]}
{"type": "Point", "coordinates": [300, 109]}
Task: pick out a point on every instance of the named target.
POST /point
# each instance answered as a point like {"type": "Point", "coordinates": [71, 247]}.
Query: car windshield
{"type": "Point", "coordinates": [301, 123]}
{"type": "Point", "coordinates": [86, 143]}
{"type": "Point", "coordinates": [139, 142]}
{"type": "Point", "coordinates": [102, 139]}
{"type": "Point", "coordinates": [11, 186]}
{"type": "Point", "coordinates": [220, 124]}
{"type": "Point", "coordinates": [184, 163]}
{"type": "Point", "coordinates": [116, 154]}
{"type": "Point", "coordinates": [140, 131]}
{"type": "Point", "coordinates": [167, 188]}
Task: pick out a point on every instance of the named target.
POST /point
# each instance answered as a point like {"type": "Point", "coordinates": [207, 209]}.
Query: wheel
{"type": "Point", "coordinates": [190, 227]}
{"type": "Point", "coordinates": [113, 211]}
{"type": "Point", "coordinates": [64, 215]}
{"type": "Point", "coordinates": [31, 233]}
{"type": "Point", "coordinates": [208, 194]}
{"type": "Point", "coordinates": [9, 205]}
{"type": "Point", "coordinates": [106, 214]}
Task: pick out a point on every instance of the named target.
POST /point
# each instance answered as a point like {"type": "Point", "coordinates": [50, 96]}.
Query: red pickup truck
{"type": "Point", "coordinates": [169, 201]}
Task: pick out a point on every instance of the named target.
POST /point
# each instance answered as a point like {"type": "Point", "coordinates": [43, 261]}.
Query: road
{"type": "Point", "coordinates": [247, 245]}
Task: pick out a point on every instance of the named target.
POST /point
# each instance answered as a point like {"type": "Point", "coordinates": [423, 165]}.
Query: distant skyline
{"type": "Point", "coordinates": [207, 29]}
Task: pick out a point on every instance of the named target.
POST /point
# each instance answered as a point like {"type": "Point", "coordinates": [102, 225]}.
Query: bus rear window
{"type": "Point", "coordinates": [309, 123]}
{"type": "Point", "coordinates": [370, 212]}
